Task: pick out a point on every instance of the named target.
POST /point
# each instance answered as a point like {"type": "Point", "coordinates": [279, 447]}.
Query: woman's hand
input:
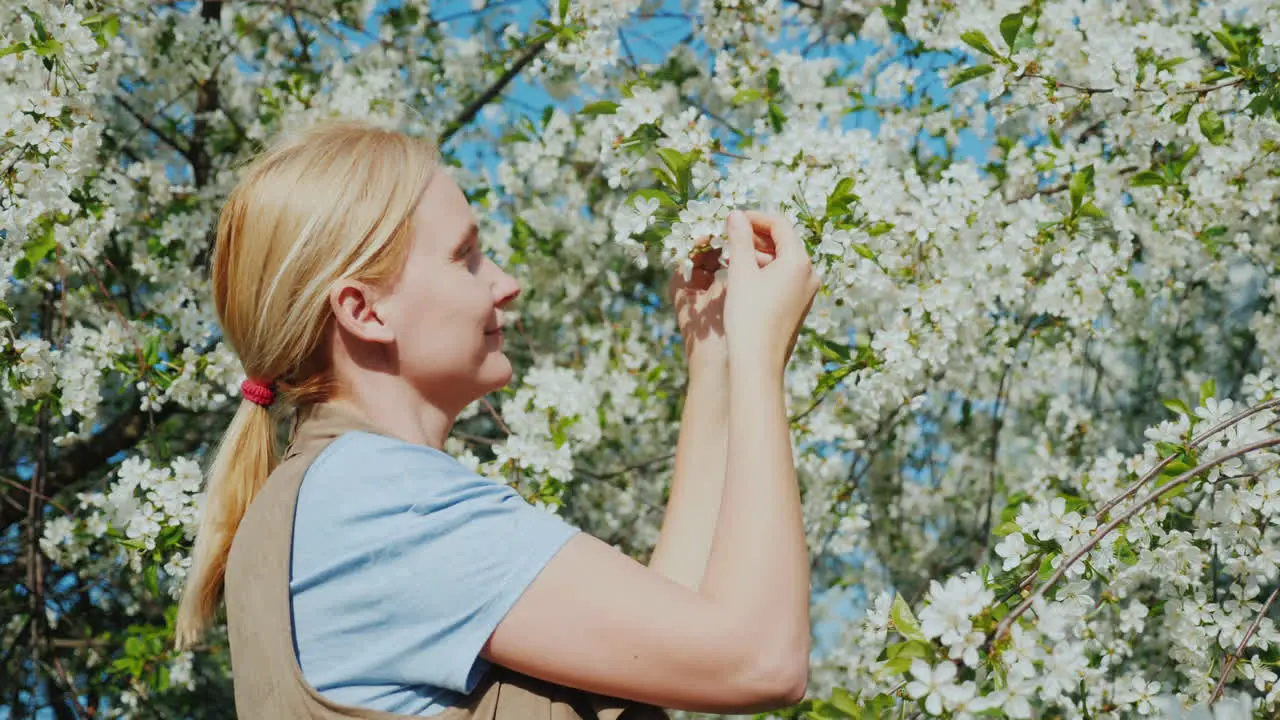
{"type": "Point", "coordinates": [699, 306]}
{"type": "Point", "coordinates": [770, 296]}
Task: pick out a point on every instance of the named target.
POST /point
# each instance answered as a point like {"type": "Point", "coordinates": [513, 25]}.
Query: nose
{"type": "Point", "coordinates": [505, 287]}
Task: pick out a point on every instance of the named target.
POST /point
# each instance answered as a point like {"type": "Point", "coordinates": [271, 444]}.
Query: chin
{"type": "Point", "coordinates": [497, 373]}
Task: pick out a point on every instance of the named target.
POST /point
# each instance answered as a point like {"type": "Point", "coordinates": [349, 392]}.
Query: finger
{"type": "Point", "coordinates": [780, 236]}
{"type": "Point", "coordinates": [741, 243]}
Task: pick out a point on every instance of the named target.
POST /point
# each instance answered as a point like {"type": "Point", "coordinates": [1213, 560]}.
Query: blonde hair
{"type": "Point", "coordinates": [334, 202]}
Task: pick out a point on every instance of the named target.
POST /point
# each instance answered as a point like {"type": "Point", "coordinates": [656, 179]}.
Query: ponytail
{"type": "Point", "coordinates": [244, 459]}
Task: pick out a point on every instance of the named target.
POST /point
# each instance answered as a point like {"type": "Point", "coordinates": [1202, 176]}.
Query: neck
{"type": "Point", "coordinates": [398, 410]}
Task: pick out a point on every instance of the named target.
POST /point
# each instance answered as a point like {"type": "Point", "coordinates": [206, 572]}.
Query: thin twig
{"type": "Point", "coordinates": [636, 466]}
{"type": "Point", "coordinates": [488, 406]}
{"type": "Point", "coordinates": [1097, 537]}
{"type": "Point", "coordinates": [1234, 657]}
{"type": "Point", "coordinates": [24, 488]}
{"type": "Point", "coordinates": [146, 123]}
{"type": "Point", "coordinates": [1195, 442]}
{"type": "Point", "coordinates": [1201, 90]}
{"type": "Point", "coordinates": [475, 106]}
{"type": "Point", "coordinates": [81, 712]}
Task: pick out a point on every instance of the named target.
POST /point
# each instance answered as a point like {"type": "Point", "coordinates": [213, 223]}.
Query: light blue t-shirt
{"type": "Point", "coordinates": [404, 562]}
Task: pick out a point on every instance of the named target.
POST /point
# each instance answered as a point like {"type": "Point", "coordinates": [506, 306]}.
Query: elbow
{"type": "Point", "coordinates": [794, 683]}
{"type": "Point", "coordinates": [783, 680]}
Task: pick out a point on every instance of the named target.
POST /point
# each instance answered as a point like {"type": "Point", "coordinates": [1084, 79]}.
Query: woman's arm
{"type": "Point", "coordinates": [698, 482]}
{"type": "Point", "coordinates": [741, 642]}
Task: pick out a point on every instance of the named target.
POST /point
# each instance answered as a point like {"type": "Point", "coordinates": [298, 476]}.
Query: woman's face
{"type": "Point", "coordinates": [446, 308]}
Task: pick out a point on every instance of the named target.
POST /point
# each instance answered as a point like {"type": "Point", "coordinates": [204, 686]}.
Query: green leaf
{"type": "Point", "coordinates": [1257, 106]}
{"type": "Point", "coordinates": [977, 40]}
{"type": "Point", "coordinates": [152, 579]}
{"type": "Point", "coordinates": [1167, 449]}
{"type": "Point", "coordinates": [742, 97]}
{"type": "Point", "coordinates": [1124, 552]}
{"type": "Point", "coordinates": [48, 48]}
{"type": "Point", "coordinates": [1175, 468]}
{"type": "Point", "coordinates": [664, 176]}
{"type": "Point", "coordinates": [827, 381]}
{"type": "Point", "coordinates": [1008, 527]}
{"type": "Point", "coordinates": [898, 666]}
{"type": "Point", "coordinates": [879, 707]}
{"type": "Point", "coordinates": [1212, 127]}
{"type": "Point", "coordinates": [5, 311]}
{"type": "Point", "coordinates": [970, 73]}
{"type": "Point", "coordinates": [864, 251]}
{"type": "Point", "coordinates": [1177, 166]}
{"type": "Point", "coordinates": [841, 197]}
{"type": "Point", "coordinates": [1093, 211]}
{"type": "Point", "coordinates": [1183, 113]}
{"type": "Point", "coordinates": [1214, 231]}
{"type": "Point", "coordinates": [38, 248]}
{"type": "Point", "coordinates": [834, 351]}
{"type": "Point", "coordinates": [880, 228]}
{"type": "Point", "coordinates": [909, 649]}
{"type": "Point", "coordinates": [1227, 41]}
{"type": "Point", "coordinates": [564, 9]}
{"type": "Point", "coordinates": [681, 166]}
{"type": "Point", "coordinates": [894, 16]}
{"type": "Point", "coordinates": [776, 118]}
{"type": "Point", "coordinates": [904, 621]}
{"type": "Point", "coordinates": [14, 48]}
{"type": "Point", "coordinates": [1046, 566]}
{"type": "Point", "coordinates": [604, 107]}
{"type": "Point", "coordinates": [845, 701]}
{"type": "Point", "coordinates": [773, 80]}
{"type": "Point", "coordinates": [1178, 406]}
{"type": "Point", "coordinates": [661, 196]}
{"type": "Point", "coordinates": [1146, 178]}
{"type": "Point", "coordinates": [1009, 27]}
{"type": "Point", "coordinates": [1081, 185]}
{"type": "Point", "coordinates": [1208, 389]}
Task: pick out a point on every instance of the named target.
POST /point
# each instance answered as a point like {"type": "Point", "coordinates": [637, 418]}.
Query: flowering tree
{"type": "Point", "coordinates": [1033, 406]}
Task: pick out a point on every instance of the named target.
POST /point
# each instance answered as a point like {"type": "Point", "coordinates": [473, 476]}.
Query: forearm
{"type": "Point", "coordinates": [759, 566]}
{"type": "Point", "coordinates": [688, 526]}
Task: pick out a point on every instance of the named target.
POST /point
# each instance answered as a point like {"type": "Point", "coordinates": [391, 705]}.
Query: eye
{"type": "Point", "coordinates": [472, 255]}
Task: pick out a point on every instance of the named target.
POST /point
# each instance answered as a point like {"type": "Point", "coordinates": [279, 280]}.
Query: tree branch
{"type": "Point", "coordinates": [1097, 537]}
{"type": "Point", "coordinates": [81, 458]}
{"type": "Point", "coordinates": [1235, 656]}
{"type": "Point", "coordinates": [475, 106]}
{"type": "Point", "coordinates": [1195, 442]}
{"type": "Point", "coordinates": [146, 123]}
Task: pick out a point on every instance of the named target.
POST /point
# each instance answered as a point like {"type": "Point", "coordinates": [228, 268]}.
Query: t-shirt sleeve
{"type": "Point", "coordinates": [429, 561]}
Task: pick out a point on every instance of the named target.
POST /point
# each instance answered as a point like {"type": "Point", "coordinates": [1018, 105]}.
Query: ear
{"type": "Point", "coordinates": [354, 308]}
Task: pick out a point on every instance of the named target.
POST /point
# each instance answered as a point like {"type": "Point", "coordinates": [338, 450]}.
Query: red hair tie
{"type": "Point", "coordinates": [259, 392]}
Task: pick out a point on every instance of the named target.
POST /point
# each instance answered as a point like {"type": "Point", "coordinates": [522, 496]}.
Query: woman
{"type": "Point", "coordinates": [369, 574]}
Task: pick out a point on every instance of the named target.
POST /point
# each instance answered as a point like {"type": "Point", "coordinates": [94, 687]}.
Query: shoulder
{"type": "Point", "coordinates": [380, 454]}
{"type": "Point", "coordinates": [362, 476]}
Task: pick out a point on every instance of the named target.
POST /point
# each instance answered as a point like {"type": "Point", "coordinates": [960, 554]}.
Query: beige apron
{"type": "Point", "coordinates": [268, 681]}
